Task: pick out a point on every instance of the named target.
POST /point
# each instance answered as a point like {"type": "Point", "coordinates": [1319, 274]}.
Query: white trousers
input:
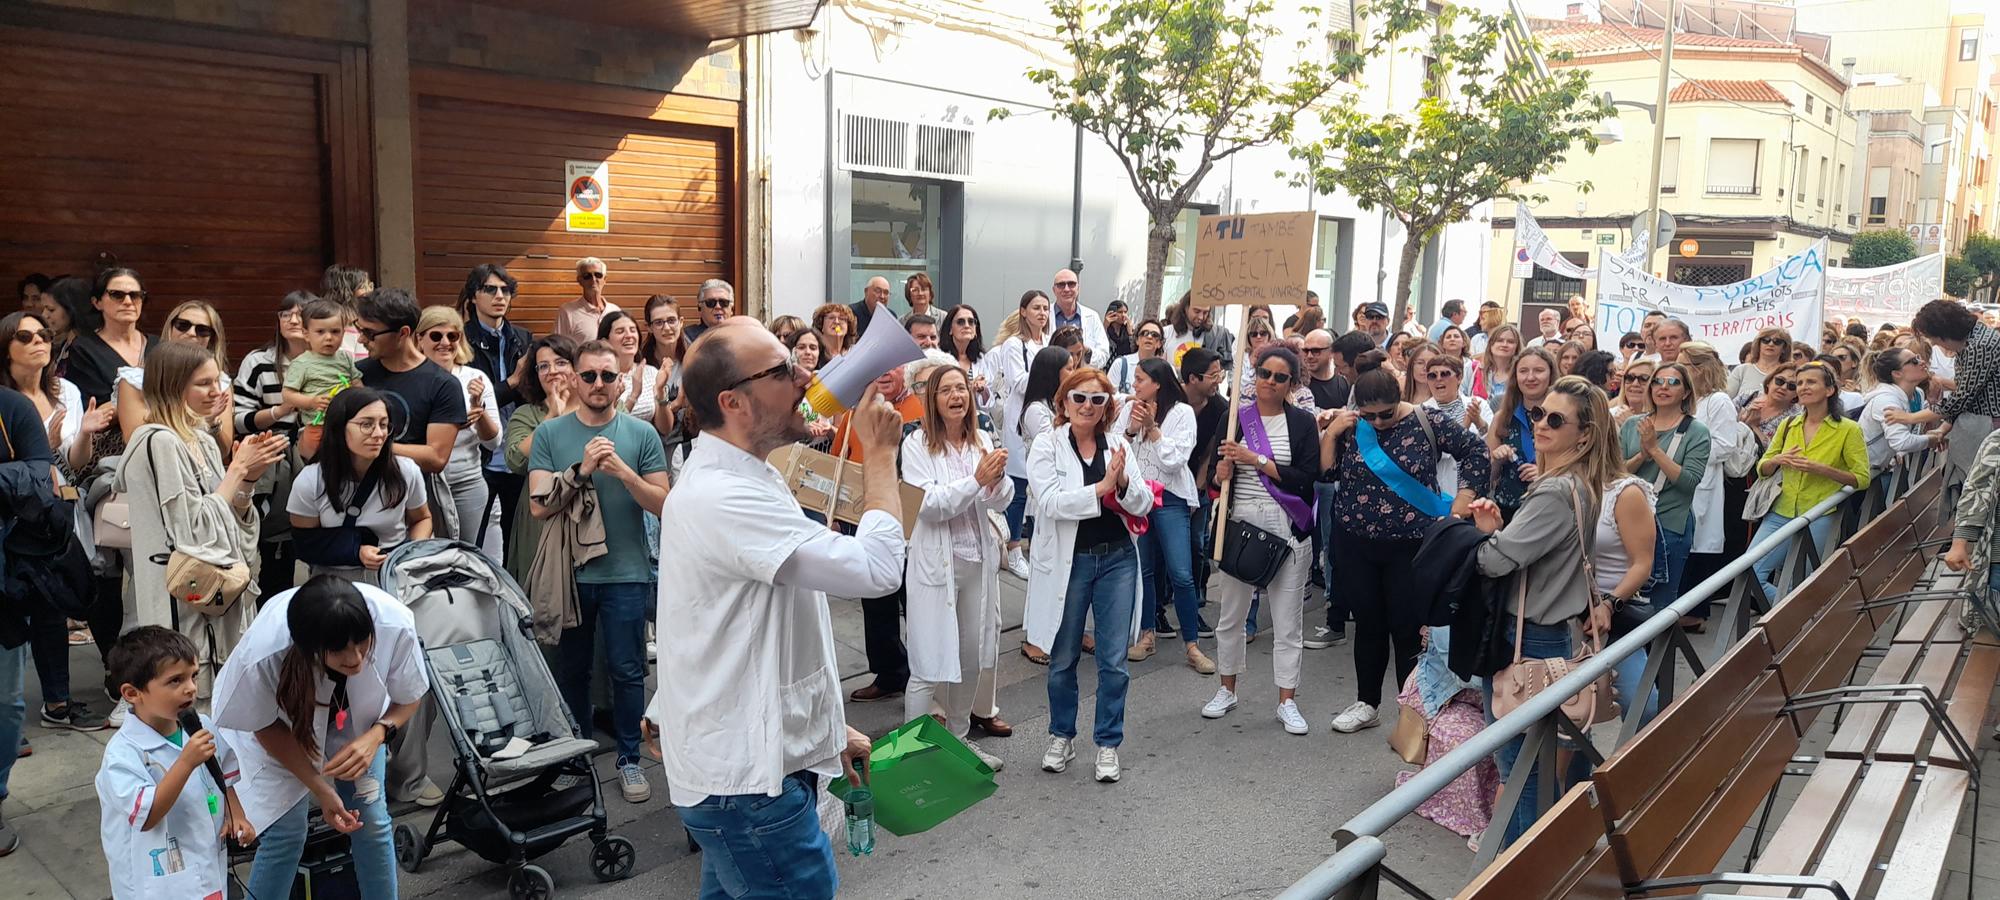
{"type": "Point", "coordinates": [954, 699]}
{"type": "Point", "coordinates": [1284, 601]}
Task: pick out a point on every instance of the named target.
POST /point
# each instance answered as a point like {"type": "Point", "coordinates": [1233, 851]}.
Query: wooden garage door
{"type": "Point", "coordinates": [490, 189]}
{"type": "Point", "coordinates": [208, 178]}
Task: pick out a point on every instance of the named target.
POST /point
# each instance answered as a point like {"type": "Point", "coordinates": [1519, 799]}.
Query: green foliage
{"type": "Point", "coordinates": [1959, 276]}
{"type": "Point", "coordinates": [1494, 123]}
{"type": "Point", "coordinates": [1982, 253]}
{"type": "Point", "coordinates": [1882, 247]}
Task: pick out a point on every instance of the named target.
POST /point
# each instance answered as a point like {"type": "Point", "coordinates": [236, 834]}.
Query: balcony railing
{"type": "Point", "coordinates": [1739, 190]}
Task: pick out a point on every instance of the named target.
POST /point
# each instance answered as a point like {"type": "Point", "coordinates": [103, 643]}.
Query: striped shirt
{"type": "Point", "coordinates": [260, 386]}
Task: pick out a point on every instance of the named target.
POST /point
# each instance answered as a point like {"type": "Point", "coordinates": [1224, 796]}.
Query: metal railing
{"type": "Point", "coordinates": [1360, 866]}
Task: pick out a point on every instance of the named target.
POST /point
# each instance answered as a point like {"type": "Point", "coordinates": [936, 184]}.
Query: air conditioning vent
{"type": "Point", "coordinates": [911, 149]}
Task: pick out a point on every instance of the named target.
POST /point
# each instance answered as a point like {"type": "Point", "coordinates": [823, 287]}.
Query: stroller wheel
{"type": "Point", "coordinates": [531, 882]}
{"type": "Point", "coordinates": [612, 859]}
{"type": "Point", "coordinates": [406, 849]}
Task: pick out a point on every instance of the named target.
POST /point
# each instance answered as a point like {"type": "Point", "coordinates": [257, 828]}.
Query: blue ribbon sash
{"type": "Point", "coordinates": [1406, 486]}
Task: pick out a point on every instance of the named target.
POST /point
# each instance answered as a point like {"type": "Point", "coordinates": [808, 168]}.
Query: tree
{"type": "Point", "coordinates": [1959, 276]}
{"type": "Point", "coordinates": [1175, 87]}
{"type": "Point", "coordinates": [1982, 254]}
{"type": "Point", "coordinates": [1881, 247]}
{"type": "Point", "coordinates": [1492, 121]}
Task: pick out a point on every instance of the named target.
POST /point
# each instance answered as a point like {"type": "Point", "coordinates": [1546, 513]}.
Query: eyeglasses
{"type": "Point", "coordinates": [1094, 398]}
{"type": "Point", "coordinates": [1773, 341]}
{"type": "Point", "coordinates": [369, 425]}
{"type": "Point", "coordinates": [291, 315]}
{"type": "Point", "coordinates": [594, 276]}
{"type": "Point", "coordinates": [25, 337]}
{"type": "Point", "coordinates": [1065, 284]}
{"type": "Point", "coordinates": [442, 337]}
{"type": "Point", "coordinates": [1316, 349]}
{"type": "Point", "coordinates": [1638, 379]}
{"type": "Point", "coordinates": [499, 290]}
{"type": "Point", "coordinates": [1264, 374]}
{"type": "Point", "coordinates": [1668, 381]}
{"type": "Point", "coordinates": [1555, 421]}
{"type": "Point", "coordinates": [662, 323]}
{"type": "Point", "coordinates": [788, 369]}
{"type": "Point", "coordinates": [368, 335]}
{"type": "Point", "coordinates": [594, 376]}
{"type": "Point", "coordinates": [1384, 415]}
{"type": "Point", "coordinates": [183, 326]}
{"type": "Point", "coordinates": [718, 303]}
{"type": "Point", "coordinates": [1632, 345]}
{"type": "Point", "coordinates": [117, 296]}
{"type": "Point", "coordinates": [1440, 374]}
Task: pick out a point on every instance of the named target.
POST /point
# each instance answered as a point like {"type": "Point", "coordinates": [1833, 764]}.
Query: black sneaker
{"type": "Point", "coordinates": [1205, 630]}
{"type": "Point", "coordinates": [1323, 637]}
{"type": "Point", "coordinates": [75, 716]}
{"type": "Point", "coordinates": [1166, 630]}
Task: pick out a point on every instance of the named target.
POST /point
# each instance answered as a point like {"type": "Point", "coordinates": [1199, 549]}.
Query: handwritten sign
{"type": "Point", "coordinates": [1789, 295]}
{"type": "Point", "coordinates": [1885, 293]}
{"type": "Point", "coordinates": [1263, 258]}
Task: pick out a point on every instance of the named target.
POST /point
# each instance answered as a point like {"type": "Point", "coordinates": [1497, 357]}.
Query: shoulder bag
{"type": "Point", "coordinates": [1524, 678]}
{"type": "Point", "coordinates": [210, 588]}
{"type": "Point", "coordinates": [340, 546]}
{"type": "Point", "coordinates": [1764, 493]}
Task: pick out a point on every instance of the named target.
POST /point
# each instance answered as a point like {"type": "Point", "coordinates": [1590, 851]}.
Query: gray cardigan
{"type": "Point", "coordinates": [1544, 544]}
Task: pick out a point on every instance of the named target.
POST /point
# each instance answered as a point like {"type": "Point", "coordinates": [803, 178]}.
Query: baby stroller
{"type": "Point", "coordinates": [493, 690]}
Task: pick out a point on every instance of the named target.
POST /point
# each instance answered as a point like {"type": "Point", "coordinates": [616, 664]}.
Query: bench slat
{"type": "Point", "coordinates": [1908, 729]}
{"type": "Point", "coordinates": [1804, 827]}
{"type": "Point", "coordinates": [1596, 879]}
{"type": "Point", "coordinates": [1857, 730]}
{"type": "Point", "coordinates": [1970, 699]}
{"type": "Point", "coordinates": [1788, 620]}
{"type": "Point", "coordinates": [1917, 867]}
{"type": "Point", "coordinates": [1858, 839]}
{"type": "Point", "coordinates": [1636, 770]}
{"type": "Point", "coordinates": [1921, 622]}
{"type": "Point", "coordinates": [1558, 841]}
{"type": "Point", "coordinates": [1736, 802]}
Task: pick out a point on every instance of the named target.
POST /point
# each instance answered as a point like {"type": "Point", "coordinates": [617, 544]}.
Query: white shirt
{"type": "Point", "coordinates": [750, 691]}
{"type": "Point", "coordinates": [246, 695]}
{"type": "Point", "coordinates": [1885, 441]}
{"type": "Point", "coordinates": [1092, 326]}
{"type": "Point", "coordinates": [309, 499]}
{"type": "Point", "coordinates": [463, 447]}
{"type": "Point", "coordinates": [180, 856]}
{"type": "Point", "coordinates": [1944, 365]}
{"type": "Point", "coordinates": [1165, 460]}
{"type": "Point", "coordinates": [70, 401]}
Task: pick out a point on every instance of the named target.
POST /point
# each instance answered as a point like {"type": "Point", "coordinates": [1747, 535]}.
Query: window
{"type": "Point", "coordinates": [1326, 262]}
{"type": "Point", "coordinates": [1840, 189]}
{"type": "Point", "coordinates": [1809, 104]}
{"type": "Point", "coordinates": [1878, 210]}
{"type": "Point", "coordinates": [1824, 170]}
{"type": "Point", "coordinates": [1968, 44]}
{"type": "Point", "coordinates": [1732, 166]}
{"type": "Point", "coordinates": [1670, 165]}
{"type": "Point", "coordinates": [895, 232]}
{"type": "Point", "coordinates": [1339, 21]}
{"type": "Point", "coordinates": [1799, 175]}
{"type": "Point", "coordinates": [1433, 79]}
{"type": "Point", "coordinates": [1827, 116]}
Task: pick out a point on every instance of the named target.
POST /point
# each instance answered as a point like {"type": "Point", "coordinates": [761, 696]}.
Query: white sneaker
{"type": "Point", "coordinates": [1059, 754]}
{"type": "Point", "coordinates": [1295, 721]}
{"type": "Point", "coordinates": [1107, 764]}
{"type": "Point", "coordinates": [652, 651]}
{"type": "Point", "coordinates": [116, 718]}
{"type": "Point", "coordinates": [1017, 564]}
{"type": "Point", "coordinates": [992, 762]}
{"type": "Point", "coordinates": [632, 783]}
{"type": "Point", "coordinates": [1220, 705]}
{"type": "Point", "coordinates": [1355, 718]}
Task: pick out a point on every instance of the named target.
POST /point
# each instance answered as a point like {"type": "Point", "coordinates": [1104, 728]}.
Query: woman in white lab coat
{"type": "Point", "coordinates": [1084, 562]}
{"type": "Point", "coordinates": [1716, 412]}
{"type": "Point", "coordinates": [953, 581]}
{"type": "Point", "coordinates": [326, 676]}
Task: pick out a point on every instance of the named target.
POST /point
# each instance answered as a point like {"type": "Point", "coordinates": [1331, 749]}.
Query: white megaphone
{"type": "Point", "coordinates": [836, 388]}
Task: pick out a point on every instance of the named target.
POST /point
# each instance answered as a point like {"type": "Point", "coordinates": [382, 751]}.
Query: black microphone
{"type": "Point", "coordinates": [191, 723]}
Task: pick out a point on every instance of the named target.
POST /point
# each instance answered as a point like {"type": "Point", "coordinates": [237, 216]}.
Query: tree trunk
{"type": "Point", "coordinates": [1159, 239]}
{"type": "Point", "coordinates": [1406, 272]}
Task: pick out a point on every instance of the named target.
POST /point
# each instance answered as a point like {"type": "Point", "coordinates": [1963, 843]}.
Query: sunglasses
{"type": "Point", "coordinates": [122, 296]}
{"type": "Point", "coordinates": [1379, 416]}
{"type": "Point", "coordinates": [1638, 379]}
{"type": "Point", "coordinates": [1554, 420]}
{"type": "Point", "coordinates": [1912, 361]}
{"type": "Point", "coordinates": [718, 303]}
{"type": "Point", "coordinates": [1372, 316]}
{"type": "Point", "coordinates": [1065, 284]}
{"type": "Point", "coordinates": [968, 320]}
{"type": "Point", "coordinates": [1317, 349]}
{"type": "Point", "coordinates": [1784, 383]}
{"type": "Point", "coordinates": [1634, 345]}
{"type": "Point", "coordinates": [788, 369]}
{"type": "Point", "coordinates": [25, 338]}
{"type": "Point", "coordinates": [1844, 358]}
{"type": "Point", "coordinates": [1152, 334]}
{"type": "Point", "coordinates": [1274, 375]}
{"type": "Point", "coordinates": [1094, 398]}
{"type": "Point", "coordinates": [594, 376]}
{"type": "Point", "coordinates": [496, 290]}
{"type": "Point", "coordinates": [183, 326]}
{"type": "Point", "coordinates": [1260, 334]}
{"type": "Point", "coordinates": [1773, 341]}
{"type": "Point", "coordinates": [442, 337]}
{"type": "Point", "coordinates": [1668, 381]}
{"type": "Point", "coordinates": [1440, 374]}
{"type": "Point", "coordinates": [594, 276]}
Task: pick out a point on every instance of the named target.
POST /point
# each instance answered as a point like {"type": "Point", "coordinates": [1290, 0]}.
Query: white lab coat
{"type": "Point", "coordinates": [1718, 415]}
{"type": "Point", "coordinates": [1060, 499]}
{"type": "Point", "coordinates": [182, 856]}
{"type": "Point", "coordinates": [246, 695]}
{"type": "Point", "coordinates": [1094, 336]}
{"type": "Point", "coordinates": [932, 591]}
{"type": "Point", "coordinates": [1007, 365]}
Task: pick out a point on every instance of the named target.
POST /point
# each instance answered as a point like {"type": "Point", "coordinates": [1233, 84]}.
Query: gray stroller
{"type": "Point", "coordinates": [496, 696]}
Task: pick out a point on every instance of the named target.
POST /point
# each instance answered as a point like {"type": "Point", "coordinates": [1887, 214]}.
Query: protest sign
{"type": "Point", "coordinates": [1789, 295]}
{"type": "Point", "coordinates": [1529, 235]}
{"type": "Point", "coordinates": [1885, 293]}
{"type": "Point", "coordinates": [1264, 258]}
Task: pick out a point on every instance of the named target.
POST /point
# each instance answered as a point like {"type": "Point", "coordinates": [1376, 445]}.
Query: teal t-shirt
{"type": "Point", "coordinates": [558, 444]}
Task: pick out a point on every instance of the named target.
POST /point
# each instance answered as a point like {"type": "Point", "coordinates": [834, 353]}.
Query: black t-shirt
{"type": "Point", "coordinates": [27, 441]}
{"type": "Point", "coordinates": [1331, 393]}
{"type": "Point", "coordinates": [1106, 527]}
{"type": "Point", "coordinates": [93, 367]}
{"type": "Point", "coordinates": [1207, 436]}
{"type": "Point", "coordinates": [419, 398]}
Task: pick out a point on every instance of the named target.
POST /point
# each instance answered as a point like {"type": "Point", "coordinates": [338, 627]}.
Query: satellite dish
{"type": "Point", "coordinates": [1667, 228]}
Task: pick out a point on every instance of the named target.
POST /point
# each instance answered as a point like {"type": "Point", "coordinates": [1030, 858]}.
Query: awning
{"type": "Point", "coordinates": [710, 19]}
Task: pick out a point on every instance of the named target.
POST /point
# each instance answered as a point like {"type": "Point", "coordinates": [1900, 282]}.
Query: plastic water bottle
{"type": "Point", "coordinates": [861, 822]}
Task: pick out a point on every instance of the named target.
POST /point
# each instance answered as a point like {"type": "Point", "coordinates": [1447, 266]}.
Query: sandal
{"type": "Point", "coordinates": [1034, 654]}
{"type": "Point", "coordinates": [79, 637]}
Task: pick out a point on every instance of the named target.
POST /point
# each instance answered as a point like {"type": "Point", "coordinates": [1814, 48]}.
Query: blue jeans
{"type": "Point", "coordinates": [1675, 548]}
{"type": "Point", "coordinates": [621, 610]}
{"type": "Point", "coordinates": [755, 847]}
{"type": "Point", "coordinates": [1767, 567]}
{"type": "Point", "coordinates": [1166, 544]}
{"type": "Point", "coordinates": [281, 844]}
{"type": "Point", "coordinates": [1019, 526]}
{"type": "Point", "coordinates": [1336, 604]}
{"type": "Point", "coordinates": [1626, 678]}
{"type": "Point", "coordinates": [1100, 584]}
{"type": "Point", "coordinates": [1537, 642]}
{"type": "Point", "coordinates": [13, 707]}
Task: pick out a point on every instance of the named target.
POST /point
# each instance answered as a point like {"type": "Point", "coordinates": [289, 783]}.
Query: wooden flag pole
{"type": "Point", "coordinates": [1235, 410]}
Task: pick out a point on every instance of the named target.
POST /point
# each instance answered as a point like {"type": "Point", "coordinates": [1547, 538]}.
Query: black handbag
{"type": "Point", "coordinates": [1251, 554]}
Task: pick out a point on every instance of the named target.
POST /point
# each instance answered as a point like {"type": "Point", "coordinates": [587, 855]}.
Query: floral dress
{"type": "Point", "coordinates": [1366, 507]}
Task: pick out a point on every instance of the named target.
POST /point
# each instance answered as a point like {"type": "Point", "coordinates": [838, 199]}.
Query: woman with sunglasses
{"type": "Point", "coordinates": [440, 335]}
{"type": "Point", "coordinates": [1495, 365]}
{"type": "Point", "coordinates": [1270, 473]}
{"type": "Point", "coordinates": [356, 470]}
{"type": "Point", "coordinates": [1030, 411]}
{"type": "Point", "coordinates": [1386, 455]}
{"type": "Point", "coordinates": [1816, 453]}
{"type": "Point", "coordinates": [1160, 426]}
{"type": "Point", "coordinates": [117, 343]}
{"type": "Point", "coordinates": [1771, 350]}
{"type": "Point", "coordinates": [1670, 449]}
{"type": "Point", "coordinates": [1849, 357]}
{"type": "Point", "coordinates": [1082, 483]}
{"type": "Point", "coordinates": [966, 343]}
{"type": "Point", "coordinates": [1549, 542]}
{"type": "Point", "coordinates": [193, 322]}
{"type": "Point", "coordinates": [1899, 376]}
{"type": "Point", "coordinates": [1151, 338]}
{"type": "Point", "coordinates": [1510, 439]}
{"type": "Point", "coordinates": [1630, 347]}
{"type": "Point", "coordinates": [1635, 385]}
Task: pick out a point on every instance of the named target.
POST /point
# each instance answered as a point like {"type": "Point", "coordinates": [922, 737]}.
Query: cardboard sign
{"type": "Point", "coordinates": [810, 474]}
{"type": "Point", "coordinates": [1263, 258]}
{"type": "Point", "coordinates": [1885, 293]}
{"type": "Point", "coordinates": [587, 196]}
{"type": "Point", "coordinates": [1790, 295]}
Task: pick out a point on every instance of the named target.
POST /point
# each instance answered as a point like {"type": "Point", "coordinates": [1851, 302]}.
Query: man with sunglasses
{"type": "Point", "coordinates": [1069, 310]}
{"type": "Point", "coordinates": [578, 318]}
{"type": "Point", "coordinates": [717, 301]}
{"type": "Point", "coordinates": [1373, 319]}
{"type": "Point", "coordinates": [627, 468]}
{"type": "Point", "coordinates": [427, 403]}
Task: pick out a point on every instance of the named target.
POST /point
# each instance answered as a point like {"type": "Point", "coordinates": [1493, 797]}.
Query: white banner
{"type": "Point", "coordinates": [1885, 293]}
{"type": "Point", "coordinates": [1529, 236]}
{"type": "Point", "coordinates": [1790, 296]}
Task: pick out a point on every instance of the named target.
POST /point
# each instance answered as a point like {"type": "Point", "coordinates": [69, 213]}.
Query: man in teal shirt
{"type": "Point", "coordinates": [626, 465]}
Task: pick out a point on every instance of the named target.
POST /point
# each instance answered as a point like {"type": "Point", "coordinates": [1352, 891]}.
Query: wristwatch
{"type": "Point", "coordinates": [389, 731]}
{"type": "Point", "coordinates": [1263, 460]}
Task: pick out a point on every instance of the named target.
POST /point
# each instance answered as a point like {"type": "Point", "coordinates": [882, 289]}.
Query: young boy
{"type": "Point", "coordinates": [162, 816]}
{"type": "Point", "coordinates": [322, 371]}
